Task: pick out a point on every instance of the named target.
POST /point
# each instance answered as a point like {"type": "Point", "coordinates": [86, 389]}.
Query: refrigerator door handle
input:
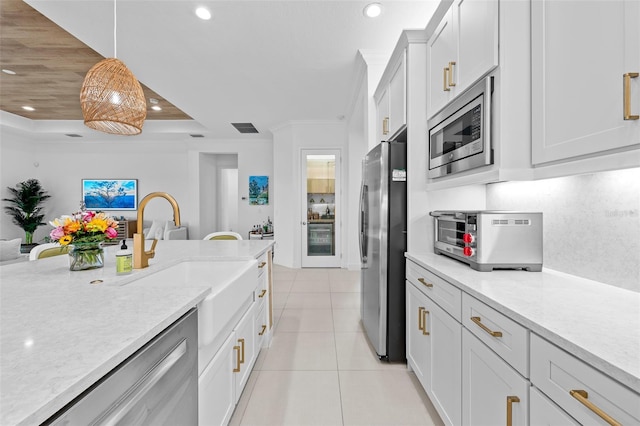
{"type": "Point", "coordinates": [363, 223]}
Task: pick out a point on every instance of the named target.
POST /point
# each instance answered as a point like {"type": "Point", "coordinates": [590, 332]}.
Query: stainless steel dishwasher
{"type": "Point", "coordinates": [157, 385]}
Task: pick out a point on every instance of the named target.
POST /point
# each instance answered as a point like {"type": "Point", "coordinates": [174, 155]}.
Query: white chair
{"type": "Point", "coordinates": [47, 250]}
{"type": "Point", "coordinates": [223, 235]}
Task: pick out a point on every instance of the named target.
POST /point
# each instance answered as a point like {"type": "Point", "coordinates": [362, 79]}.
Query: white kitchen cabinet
{"type": "Point", "coordinates": [579, 389]}
{"type": "Point", "coordinates": [264, 298]}
{"type": "Point", "coordinates": [217, 387]}
{"type": "Point", "coordinates": [434, 352]}
{"type": "Point", "coordinates": [577, 80]}
{"type": "Point", "coordinates": [392, 102]}
{"type": "Point", "coordinates": [462, 49]}
{"type": "Point", "coordinates": [493, 393]}
{"type": "Point", "coordinates": [543, 412]}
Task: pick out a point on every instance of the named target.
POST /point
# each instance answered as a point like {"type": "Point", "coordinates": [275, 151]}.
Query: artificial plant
{"type": "Point", "coordinates": [25, 206]}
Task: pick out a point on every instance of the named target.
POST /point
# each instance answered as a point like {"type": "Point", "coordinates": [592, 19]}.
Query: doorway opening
{"type": "Point", "coordinates": [218, 193]}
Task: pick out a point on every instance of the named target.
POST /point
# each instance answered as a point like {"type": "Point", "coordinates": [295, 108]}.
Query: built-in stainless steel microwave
{"type": "Point", "coordinates": [460, 134]}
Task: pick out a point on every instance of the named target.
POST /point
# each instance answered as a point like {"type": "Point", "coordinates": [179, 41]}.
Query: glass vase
{"type": "Point", "coordinates": [83, 256]}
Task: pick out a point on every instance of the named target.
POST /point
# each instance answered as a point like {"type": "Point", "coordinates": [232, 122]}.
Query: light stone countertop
{"type": "Point", "coordinates": [596, 322]}
{"type": "Point", "coordinates": [59, 334]}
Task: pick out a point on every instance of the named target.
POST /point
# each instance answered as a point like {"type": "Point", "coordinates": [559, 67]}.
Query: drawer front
{"type": "Point", "coordinates": [263, 265]}
{"type": "Point", "coordinates": [448, 296]}
{"type": "Point", "coordinates": [261, 325]}
{"type": "Point", "coordinates": [557, 374]}
{"type": "Point", "coordinates": [543, 412]}
{"type": "Point", "coordinates": [504, 336]}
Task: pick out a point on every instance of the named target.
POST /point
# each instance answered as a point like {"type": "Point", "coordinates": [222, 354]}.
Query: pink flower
{"type": "Point", "coordinates": [111, 233]}
{"type": "Point", "coordinates": [57, 233]}
{"type": "Point", "coordinates": [88, 215]}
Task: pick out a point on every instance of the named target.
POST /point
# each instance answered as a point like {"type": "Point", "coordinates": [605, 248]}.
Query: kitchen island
{"type": "Point", "coordinates": [61, 332]}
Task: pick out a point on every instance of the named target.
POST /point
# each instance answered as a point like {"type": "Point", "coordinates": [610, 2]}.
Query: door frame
{"type": "Point", "coordinates": [334, 261]}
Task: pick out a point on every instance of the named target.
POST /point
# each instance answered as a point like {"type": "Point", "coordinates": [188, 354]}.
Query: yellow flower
{"type": "Point", "coordinates": [97, 225]}
{"type": "Point", "coordinates": [65, 240]}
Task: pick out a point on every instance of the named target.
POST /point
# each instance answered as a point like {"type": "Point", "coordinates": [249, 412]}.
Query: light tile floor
{"type": "Point", "coordinates": [320, 368]}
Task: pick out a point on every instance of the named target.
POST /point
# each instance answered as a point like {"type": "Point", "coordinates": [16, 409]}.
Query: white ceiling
{"type": "Point", "coordinates": [264, 62]}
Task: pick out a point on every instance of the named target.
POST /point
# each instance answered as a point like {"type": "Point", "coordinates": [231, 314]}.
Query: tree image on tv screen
{"type": "Point", "coordinates": [109, 194]}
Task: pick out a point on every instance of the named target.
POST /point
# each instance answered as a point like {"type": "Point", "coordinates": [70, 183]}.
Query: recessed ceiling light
{"type": "Point", "coordinates": [28, 108]}
{"type": "Point", "coordinates": [203, 13]}
{"type": "Point", "coordinates": [10, 72]}
{"type": "Point", "coordinates": [372, 10]}
{"type": "Point", "coordinates": [156, 108]}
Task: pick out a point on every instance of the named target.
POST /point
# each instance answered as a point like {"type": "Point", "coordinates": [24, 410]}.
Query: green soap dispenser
{"type": "Point", "coordinates": [124, 260]}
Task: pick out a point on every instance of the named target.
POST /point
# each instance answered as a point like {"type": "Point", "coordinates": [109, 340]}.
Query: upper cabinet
{"type": "Point", "coordinates": [585, 84]}
{"type": "Point", "coordinates": [392, 102]}
{"type": "Point", "coordinates": [462, 49]}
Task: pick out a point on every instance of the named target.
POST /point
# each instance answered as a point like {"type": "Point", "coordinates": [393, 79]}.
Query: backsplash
{"type": "Point", "coordinates": [591, 222]}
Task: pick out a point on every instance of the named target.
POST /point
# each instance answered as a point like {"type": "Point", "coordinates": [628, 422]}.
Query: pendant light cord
{"type": "Point", "coordinates": [115, 17]}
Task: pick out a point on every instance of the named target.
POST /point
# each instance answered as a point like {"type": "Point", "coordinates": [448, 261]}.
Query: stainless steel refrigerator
{"type": "Point", "coordinates": [383, 242]}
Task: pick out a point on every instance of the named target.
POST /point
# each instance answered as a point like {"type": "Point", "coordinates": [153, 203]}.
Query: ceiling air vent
{"type": "Point", "coordinates": [73, 135]}
{"type": "Point", "coordinates": [196, 135]}
{"type": "Point", "coordinates": [245, 127]}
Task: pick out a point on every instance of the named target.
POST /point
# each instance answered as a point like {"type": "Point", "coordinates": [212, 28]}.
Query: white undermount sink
{"type": "Point", "coordinates": [232, 284]}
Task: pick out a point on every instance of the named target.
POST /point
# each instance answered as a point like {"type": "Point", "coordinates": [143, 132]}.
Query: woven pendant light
{"type": "Point", "coordinates": [112, 99]}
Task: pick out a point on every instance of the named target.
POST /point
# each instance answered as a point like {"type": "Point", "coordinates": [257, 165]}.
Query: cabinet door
{"type": "Point", "coordinates": [546, 413]}
{"type": "Point", "coordinates": [441, 49]}
{"type": "Point", "coordinates": [577, 77]}
{"type": "Point", "coordinates": [434, 353]}
{"type": "Point", "coordinates": [418, 344]}
{"type": "Point", "coordinates": [245, 349]}
{"type": "Point", "coordinates": [216, 387]}
{"type": "Point", "coordinates": [397, 97]}
{"type": "Point", "coordinates": [477, 33]}
{"type": "Point", "coordinates": [491, 390]}
{"type": "Point", "coordinates": [446, 364]}
{"type": "Point", "coordinates": [383, 117]}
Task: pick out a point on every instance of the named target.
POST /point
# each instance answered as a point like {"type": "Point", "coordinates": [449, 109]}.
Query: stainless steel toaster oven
{"type": "Point", "coordinates": [488, 240]}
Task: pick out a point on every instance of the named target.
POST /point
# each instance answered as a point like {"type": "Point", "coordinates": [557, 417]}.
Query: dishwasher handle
{"type": "Point", "coordinates": [142, 386]}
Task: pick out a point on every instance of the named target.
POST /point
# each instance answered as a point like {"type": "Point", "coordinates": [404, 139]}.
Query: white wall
{"type": "Point", "coordinates": [166, 166]}
{"type": "Point", "coordinates": [288, 142]}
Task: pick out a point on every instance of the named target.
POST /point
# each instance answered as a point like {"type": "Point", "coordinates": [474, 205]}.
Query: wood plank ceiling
{"type": "Point", "coordinates": [50, 65]}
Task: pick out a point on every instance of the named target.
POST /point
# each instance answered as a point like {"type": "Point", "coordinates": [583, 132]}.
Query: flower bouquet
{"type": "Point", "coordinates": [84, 232]}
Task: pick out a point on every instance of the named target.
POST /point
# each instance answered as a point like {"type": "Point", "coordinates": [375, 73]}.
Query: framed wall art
{"type": "Point", "coordinates": [258, 190]}
{"type": "Point", "coordinates": [110, 194]}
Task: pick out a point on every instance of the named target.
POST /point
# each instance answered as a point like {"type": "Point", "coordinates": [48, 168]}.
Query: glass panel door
{"type": "Point", "coordinates": [320, 196]}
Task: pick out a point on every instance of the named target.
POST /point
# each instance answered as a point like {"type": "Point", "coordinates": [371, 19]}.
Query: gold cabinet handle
{"type": "Point", "coordinates": [445, 85]}
{"type": "Point", "coordinates": [485, 328]}
{"type": "Point", "coordinates": [261, 265]}
{"type": "Point", "coordinates": [241, 341]}
{"type": "Point", "coordinates": [582, 396]}
{"type": "Point", "coordinates": [262, 293]}
{"type": "Point", "coordinates": [424, 322]}
{"type": "Point", "coordinates": [510, 401]}
{"type": "Point", "coordinates": [425, 283]}
{"type": "Point", "coordinates": [237, 349]}
{"type": "Point", "coordinates": [420, 319]}
{"type": "Point", "coordinates": [627, 95]}
{"type": "Point", "coordinates": [450, 67]}
{"type": "Point", "coordinates": [385, 126]}
{"type": "Point", "coordinates": [264, 328]}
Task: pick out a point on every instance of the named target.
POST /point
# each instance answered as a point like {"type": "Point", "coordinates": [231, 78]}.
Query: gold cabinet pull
{"type": "Point", "coordinates": [627, 95]}
{"type": "Point", "coordinates": [425, 283]}
{"type": "Point", "coordinates": [485, 328]}
{"type": "Point", "coordinates": [445, 85]}
{"type": "Point", "coordinates": [424, 322]}
{"type": "Point", "coordinates": [241, 341]}
{"type": "Point", "coordinates": [582, 397]}
{"type": "Point", "coordinates": [451, 82]}
{"type": "Point", "coordinates": [264, 328]}
{"type": "Point", "coordinates": [385, 126]}
{"type": "Point", "coordinates": [237, 349]}
{"type": "Point", "coordinates": [510, 401]}
{"type": "Point", "coordinates": [420, 319]}
{"type": "Point", "coordinates": [261, 265]}
{"type": "Point", "coordinates": [262, 293]}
